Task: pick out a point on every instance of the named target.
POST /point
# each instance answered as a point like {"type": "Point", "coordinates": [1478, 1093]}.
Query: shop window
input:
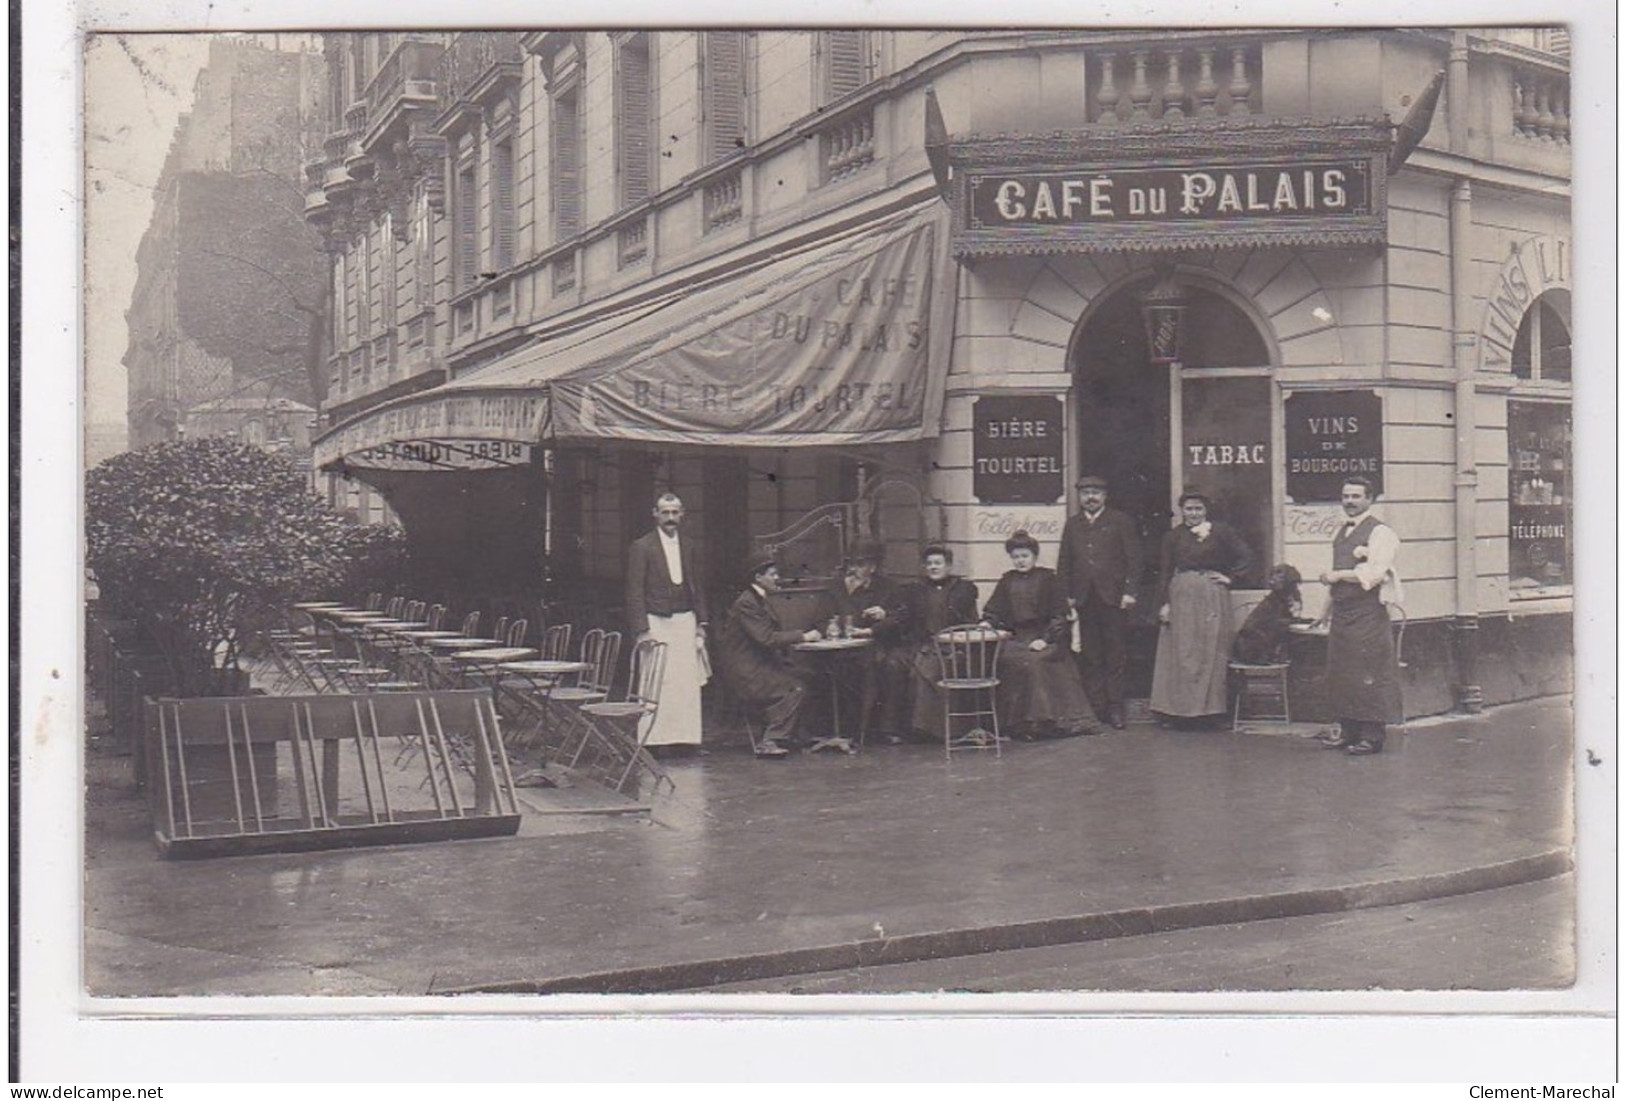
{"type": "Point", "coordinates": [722, 93]}
{"type": "Point", "coordinates": [633, 117]}
{"type": "Point", "coordinates": [1541, 350]}
{"type": "Point", "coordinates": [1540, 552]}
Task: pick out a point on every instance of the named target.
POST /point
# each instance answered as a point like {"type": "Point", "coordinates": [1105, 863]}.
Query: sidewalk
{"type": "Point", "coordinates": [757, 868]}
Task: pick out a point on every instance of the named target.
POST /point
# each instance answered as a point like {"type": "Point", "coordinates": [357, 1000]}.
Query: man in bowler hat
{"type": "Point", "coordinates": [1100, 566]}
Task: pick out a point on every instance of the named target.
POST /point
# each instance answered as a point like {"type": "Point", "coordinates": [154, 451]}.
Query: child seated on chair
{"type": "Point", "coordinates": [1262, 639]}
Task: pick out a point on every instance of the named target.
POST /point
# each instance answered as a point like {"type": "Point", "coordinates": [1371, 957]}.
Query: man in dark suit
{"type": "Point", "coordinates": [873, 603]}
{"type": "Point", "coordinates": [1100, 568]}
{"type": "Point", "coordinates": [665, 601]}
{"type": "Point", "coordinates": [753, 651]}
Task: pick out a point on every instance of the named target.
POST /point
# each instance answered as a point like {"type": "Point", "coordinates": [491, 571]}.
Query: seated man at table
{"type": "Point", "coordinates": [939, 601]}
{"type": "Point", "coordinates": [753, 651]}
{"type": "Point", "coordinates": [877, 696]}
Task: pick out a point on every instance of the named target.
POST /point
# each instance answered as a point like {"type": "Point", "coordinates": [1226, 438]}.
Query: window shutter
{"type": "Point", "coordinates": [502, 205]}
{"type": "Point", "coordinates": [724, 97]}
{"type": "Point", "coordinates": [844, 68]}
{"type": "Point", "coordinates": [633, 119]}
{"type": "Point", "coordinates": [468, 250]}
{"type": "Point", "coordinates": [566, 165]}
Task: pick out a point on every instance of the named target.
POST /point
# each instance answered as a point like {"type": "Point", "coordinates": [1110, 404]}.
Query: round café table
{"type": "Point", "coordinates": [835, 741]}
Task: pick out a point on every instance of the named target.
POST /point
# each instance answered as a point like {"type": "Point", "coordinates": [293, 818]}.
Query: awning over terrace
{"type": "Point", "coordinates": [840, 340]}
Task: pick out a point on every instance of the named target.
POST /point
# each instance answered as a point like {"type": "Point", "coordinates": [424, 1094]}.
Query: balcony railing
{"type": "Point", "coordinates": [411, 72]}
{"type": "Point", "coordinates": [1540, 106]}
{"type": "Point", "coordinates": [724, 201]}
{"type": "Point", "coordinates": [1146, 83]}
{"type": "Point", "coordinates": [848, 144]}
{"type": "Point", "coordinates": [632, 241]}
{"type": "Point", "coordinates": [474, 54]}
{"type": "Point", "coordinates": [564, 274]}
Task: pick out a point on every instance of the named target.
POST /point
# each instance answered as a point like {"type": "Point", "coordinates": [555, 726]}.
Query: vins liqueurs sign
{"type": "Point", "coordinates": [1017, 449]}
{"type": "Point", "coordinates": [1112, 196]}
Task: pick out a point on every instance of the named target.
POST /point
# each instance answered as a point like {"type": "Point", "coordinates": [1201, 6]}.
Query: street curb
{"type": "Point", "coordinates": [1047, 932]}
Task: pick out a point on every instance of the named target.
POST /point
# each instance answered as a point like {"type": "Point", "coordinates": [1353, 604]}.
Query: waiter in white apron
{"type": "Point", "coordinates": [665, 601]}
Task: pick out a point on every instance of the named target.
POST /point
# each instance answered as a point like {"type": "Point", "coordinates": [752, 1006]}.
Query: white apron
{"type": "Point", "coordinates": [677, 722]}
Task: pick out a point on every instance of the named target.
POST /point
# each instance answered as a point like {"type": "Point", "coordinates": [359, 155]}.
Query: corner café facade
{"type": "Point", "coordinates": [1251, 307]}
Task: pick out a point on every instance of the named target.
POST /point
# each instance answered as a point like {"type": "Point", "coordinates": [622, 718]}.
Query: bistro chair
{"type": "Point", "coordinates": [621, 727]}
{"type": "Point", "coordinates": [375, 601]}
{"type": "Point", "coordinates": [556, 642]}
{"type": "Point", "coordinates": [499, 629]}
{"type": "Point", "coordinates": [968, 667]}
{"type": "Point", "coordinates": [600, 649]}
{"type": "Point", "coordinates": [1261, 697]}
{"type": "Point", "coordinates": [1397, 617]}
{"type": "Point", "coordinates": [471, 625]}
{"type": "Point", "coordinates": [513, 634]}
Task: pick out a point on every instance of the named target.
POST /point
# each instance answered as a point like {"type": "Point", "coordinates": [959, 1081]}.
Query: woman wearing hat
{"type": "Point", "coordinates": [1040, 692]}
{"type": "Point", "coordinates": [1200, 560]}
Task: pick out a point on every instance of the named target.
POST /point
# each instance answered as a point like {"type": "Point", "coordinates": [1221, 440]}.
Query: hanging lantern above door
{"type": "Point", "coordinates": [1163, 307]}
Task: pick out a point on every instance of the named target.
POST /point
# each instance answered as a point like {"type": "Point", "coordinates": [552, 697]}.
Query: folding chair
{"type": "Point", "coordinates": [621, 726]}
{"type": "Point", "coordinates": [556, 642]}
{"type": "Point", "coordinates": [968, 664]}
{"type": "Point", "coordinates": [514, 633]}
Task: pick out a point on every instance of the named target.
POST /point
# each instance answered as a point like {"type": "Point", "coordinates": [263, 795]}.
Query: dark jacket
{"type": "Point", "coordinates": [881, 590]}
{"type": "Point", "coordinates": [929, 608]}
{"type": "Point", "coordinates": [1044, 615]}
{"type": "Point", "coordinates": [1224, 550]}
{"type": "Point", "coordinates": [752, 646]}
{"type": "Point", "coordinates": [649, 590]}
{"type": "Point", "coordinates": [1102, 557]}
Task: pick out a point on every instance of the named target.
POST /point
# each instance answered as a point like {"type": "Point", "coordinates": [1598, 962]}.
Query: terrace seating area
{"type": "Point", "coordinates": [566, 713]}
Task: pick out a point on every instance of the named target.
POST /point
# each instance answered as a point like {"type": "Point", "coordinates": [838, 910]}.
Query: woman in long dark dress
{"type": "Point", "coordinates": [1200, 560]}
{"type": "Point", "coordinates": [1040, 692]}
{"type": "Point", "coordinates": [934, 603]}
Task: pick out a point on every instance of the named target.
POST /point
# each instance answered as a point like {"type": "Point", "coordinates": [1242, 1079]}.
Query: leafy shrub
{"type": "Point", "coordinates": [202, 541]}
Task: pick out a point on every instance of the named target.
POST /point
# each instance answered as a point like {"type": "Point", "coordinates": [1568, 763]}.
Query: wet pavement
{"type": "Point", "coordinates": [755, 869]}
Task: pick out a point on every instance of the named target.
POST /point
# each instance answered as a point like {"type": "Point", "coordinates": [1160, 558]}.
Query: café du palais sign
{"type": "Point", "coordinates": [1201, 184]}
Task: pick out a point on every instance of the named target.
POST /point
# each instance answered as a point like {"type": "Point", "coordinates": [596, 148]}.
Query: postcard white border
{"type": "Point", "coordinates": [1556, 1037]}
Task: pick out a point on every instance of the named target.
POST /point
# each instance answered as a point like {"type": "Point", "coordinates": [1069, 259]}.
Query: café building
{"type": "Point", "coordinates": [912, 284]}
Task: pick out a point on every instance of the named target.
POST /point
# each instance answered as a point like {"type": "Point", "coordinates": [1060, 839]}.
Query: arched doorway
{"type": "Point", "coordinates": [1154, 429]}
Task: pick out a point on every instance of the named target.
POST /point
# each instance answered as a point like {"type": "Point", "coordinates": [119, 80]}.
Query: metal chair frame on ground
{"type": "Point", "coordinates": [968, 663]}
{"type": "Point", "coordinates": [1397, 617]}
{"type": "Point", "coordinates": [621, 727]}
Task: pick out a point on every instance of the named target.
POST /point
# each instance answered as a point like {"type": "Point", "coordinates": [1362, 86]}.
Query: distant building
{"type": "Point", "coordinates": [212, 315]}
{"type": "Point", "coordinates": [912, 283]}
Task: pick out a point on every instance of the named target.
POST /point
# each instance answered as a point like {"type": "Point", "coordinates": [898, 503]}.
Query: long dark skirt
{"type": "Point", "coordinates": [1041, 690]}
{"type": "Point", "coordinates": [1193, 649]}
{"type": "Point", "coordinates": [1362, 674]}
{"type": "Point", "coordinates": [928, 707]}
